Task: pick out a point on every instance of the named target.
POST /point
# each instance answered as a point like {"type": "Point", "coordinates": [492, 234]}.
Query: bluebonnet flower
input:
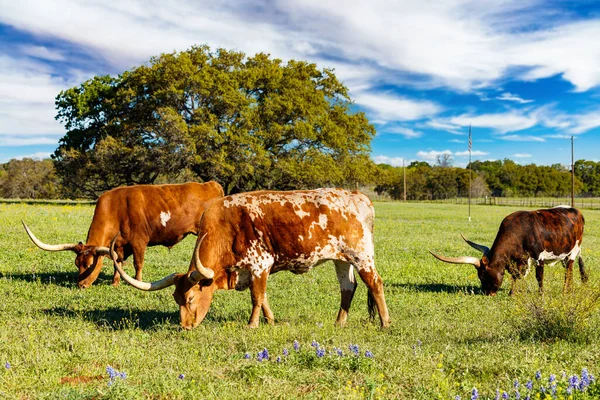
{"type": "Point", "coordinates": [247, 356]}
{"type": "Point", "coordinates": [7, 365]}
{"type": "Point", "coordinates": [474, 394]}
{"type": "Point", "coordinates": [285, 352]}
{"type": "Point", "coordinates": [552, 378]}
{"type": "Point", "coordinates": [278, 359]}
{"type": "Point", "coordinates": [529, 385]}
{"type": "Point", "coordinates": [353, 348]}
{"type": "Point", "coordinates": [542, 389]}
{"type": "Point", "coordinates": [113, 374]}
{"type": "Point", "coordinates": [569, 390]}
{"type": "Point", "coordinates": [339, 352]}
{"type": "Point", "coordinates": [320, 352]}
{"type": "Point", "coordinates": [296, 345]}
{"type": "Point", "coordinates": [497, 394]}
{"type": "Point", "coordinates": [414, 347]}
{"type": "Point", "coordinates": [259, 356]}
{"type": "Point", "coordinates": [516, 384]}
{"type": "Point", "coordinates": [368, 354]}
{"type": "Point", "coordinates": [538, 375]}
{"type": "Point", "coordinates": [314, 344]}
{"type": "Point", "coordinates": [457, 396]}
{"type": "Point", "coordinates": [573, 381]}
{"type": "Point", "coordinates": [585, 377]}
{"type": "Point", "coordinates": [123, 375]}
{"type": "Point", "coordinates": [263, 355]}
{"type": "Point", "coordinates": [181, 376]}
{"type": "Point", "coordinates": [517, 394]}
{"type": "Point", "coordinates": [528, 397]}
{"type": "Point", "coordinates": [504, 395]}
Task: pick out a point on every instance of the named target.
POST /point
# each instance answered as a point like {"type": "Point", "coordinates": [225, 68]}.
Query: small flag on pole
{"type": "Point", "coordinates": [470, 140]}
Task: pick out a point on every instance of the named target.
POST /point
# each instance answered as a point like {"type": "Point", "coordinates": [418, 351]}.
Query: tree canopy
{"type": "Point", "coordinates": [247, 122]}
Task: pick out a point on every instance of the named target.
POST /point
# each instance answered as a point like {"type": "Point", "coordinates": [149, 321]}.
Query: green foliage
{"type": "Point", "coordinates": [555, 316]}
{"type": "Point", "coordinates": [588, 172]}
{"type": "Point", "coordinates": [29, 179]}
{"type": "Point", "coordinates": [246, 122]}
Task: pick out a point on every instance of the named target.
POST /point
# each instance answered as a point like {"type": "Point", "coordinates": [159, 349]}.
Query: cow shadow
{"type": "Point", "coordinates": [436, 288]}
{"type": "Point", "coordinates": [118, 318]}
{"type": "Point", "coordinates": [64, 279]}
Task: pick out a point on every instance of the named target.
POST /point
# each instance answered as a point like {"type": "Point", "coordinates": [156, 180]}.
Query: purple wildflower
{"type": "Point", "coordinates": [339, 352]}
{"type": "Point", "coordinates": [320, 352]}
{"type": "Point", "coordinates": [278, 359]}
{"type": "Point", "coordinates": [457, 397]}
{"type": "Point", "coordinates": [285, 352]}
{"type": "Point", "coordinates": [497, 395]}
{"type": "Point", "coordinates": [528, 397]}
{"type": "Point", "coordinates": [247, 356]}
{"type": "Point", "coordinates": [112, 373]}
{"type": "Point", "coordinates": [314, 344]}
{"type": "Point", "coordinates": [7, 365]}
{"type": "Point", "coordinates": [585, 377]}
{"type": "Point", "coordinates": [517, 394]}
{"type": "Point", "coordinates": [181, 376]}
{"type": "Point", "coordinates": [296, 345]}
{"type": "Point", "coordinates": [538, 375]}
{"type": "Point", "coordinates": [552, 378]}
{"type": "Point", "coordinates": [354, 348]}
{"type": "Point", "coordinates": [265, 354]}
{"type": "Point", "coordinates": [516, 384]}
{"type": "Point", "coordinates": [573, 381]}
{"type": "Point", "coordinates": [529, 385]}
{"type": "Point", "coordinates": [474, 394]}
{"type": "Point", "coordinates": [504, 395]}
{"type": "Point", "coordinates": [123, 375]}
{"type": "Point", "coordinates": [259, 356]}
{"type": "Point", "coordinates": [368, 354]}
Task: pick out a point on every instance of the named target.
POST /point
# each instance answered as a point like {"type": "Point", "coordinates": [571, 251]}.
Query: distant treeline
{"type": "Point", "coordinates": [37, 179]}
{"type": "Point", "coordinates": [502, 178]}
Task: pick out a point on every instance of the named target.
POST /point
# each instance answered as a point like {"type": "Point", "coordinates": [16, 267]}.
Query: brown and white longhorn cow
{"type": "Point", "coordinates": [145, 215]}
{"type": "Point", "coordinates": [245, 237]}
{"type": "Point", "coordinates": [527, 238]}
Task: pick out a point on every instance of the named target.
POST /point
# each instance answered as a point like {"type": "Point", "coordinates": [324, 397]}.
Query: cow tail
{"type": "Point", "coordinates": [582, 272]}
{"type": "Point", "coordinates": [371, 304]}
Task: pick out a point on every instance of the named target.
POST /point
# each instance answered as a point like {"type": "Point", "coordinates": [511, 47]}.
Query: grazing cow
{"type": "Point", "coordinates": [526, 238]}
{"type": "Point", "coordinates": [245, 237]}
{"type": "Point", "coordinates": [145, 215]}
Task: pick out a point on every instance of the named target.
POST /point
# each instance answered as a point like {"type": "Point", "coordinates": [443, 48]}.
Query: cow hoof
{"type": "Point", "coordinates": [252, 326]}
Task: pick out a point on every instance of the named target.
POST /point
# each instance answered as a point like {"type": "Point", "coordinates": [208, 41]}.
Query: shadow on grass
{"type": "Point", "coordinates": [65, 279]}
{"type": "Point", "coordinates": [118, 318]}
{"type": "Point", "coordinates": [436, 287]}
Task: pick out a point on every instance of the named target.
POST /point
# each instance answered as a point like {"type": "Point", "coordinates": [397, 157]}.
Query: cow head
{"type": "Point", "coordinates": [193, 290]}
{"type": "Point", "coordinates": [491, 278]}
{"type": "Point", "coordinates": [88, 258]}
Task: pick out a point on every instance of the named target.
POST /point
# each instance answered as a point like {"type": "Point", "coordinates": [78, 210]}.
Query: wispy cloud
{"type": "Point", "coordinates": [522, 155]}
{"type": "Point", "coordinates": [408, 133]}
{"type": "Point", "coordinates": [476, 153]}
{"type": "Point", "coordinates": [388, 107]}
{"type": "Point", "coordinates": [522, 138]}
{"type": "Point", "coordinates": [432, 155]}
{"type": "Point", "coordinates": [500, 122]}
{"type": "Point", "coordinates": [393, 161]}
{"type": "Point", "coordinates": [512, 97]}
{"type": "Point", "coordinates": [43, 53]}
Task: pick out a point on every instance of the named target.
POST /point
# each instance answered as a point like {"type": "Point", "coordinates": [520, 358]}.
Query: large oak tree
{"type": "Point", "coordinates": [246, 122]}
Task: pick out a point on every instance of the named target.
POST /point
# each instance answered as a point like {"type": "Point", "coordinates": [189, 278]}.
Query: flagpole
{"type": "Point", "coordinates": [470, 171]}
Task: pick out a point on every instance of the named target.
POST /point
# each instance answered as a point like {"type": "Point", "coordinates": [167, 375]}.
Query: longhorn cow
{"type": "Point", "coordinates": [146, 215]}
{"type": "Point", "coordinates": [245, 237]}
{"type": "Point", "coordinates": [525, 239]}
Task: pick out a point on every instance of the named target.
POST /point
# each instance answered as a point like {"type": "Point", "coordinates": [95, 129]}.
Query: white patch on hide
{"type": "Point", "coordinates": [164, 217]}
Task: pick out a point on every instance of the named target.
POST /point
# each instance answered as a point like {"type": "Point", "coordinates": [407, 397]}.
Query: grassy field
{"type": "Point", "coordinates": [446, 338]}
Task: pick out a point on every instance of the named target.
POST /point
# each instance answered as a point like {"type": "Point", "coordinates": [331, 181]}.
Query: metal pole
{"type": "Point", "coordinates": [572, 176]}
{"type": "Point", "coordinates": [470, 171]}
{"type": "Point", "coordinates": [404, 168]}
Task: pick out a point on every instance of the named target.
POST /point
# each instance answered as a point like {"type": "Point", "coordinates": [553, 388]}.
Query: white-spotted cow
{"type": "Point", "coordinates": [528, 238]}
{"type": "Point", "coordinates": [245, 237]}
{"type": "Point", "coordinates": [145, 215]}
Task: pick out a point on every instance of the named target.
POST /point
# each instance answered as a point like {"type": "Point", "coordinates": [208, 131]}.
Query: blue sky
{"type": "Point", "coordinates": [525, 73]}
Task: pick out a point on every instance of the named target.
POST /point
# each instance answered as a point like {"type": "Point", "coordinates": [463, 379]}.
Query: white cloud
{"type": "Point", "coordinates": [388, 107]}
{"type": "Point", "coordinates": [522, 138]}
{"type": "Point", "coordinates": [522, 155]}
{"type": "Point", "coordinates": [512, 97]}
{"type": "Point", "coordinates": [393, 161]}
{"type": "Point", "coordinates": [406, 132]}
{"type": "Point", "coordinates": [42, 52]}
{"type": "Point", "coordinates": [445, 126]}
{"type": "Point", "coordinates": [501, 122]}
{"type": "Point", "coordinates": [476, 153]}
{"type": "Point", "coordinates": [40, 155]}
{"type": "Point", "coordinates": [432, 155]}
{"type": "Point", "coordinates": [26, 140]}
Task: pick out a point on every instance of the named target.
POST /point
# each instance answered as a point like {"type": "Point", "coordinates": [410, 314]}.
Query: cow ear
{"type": "Point", "coordinates": [484, 262]}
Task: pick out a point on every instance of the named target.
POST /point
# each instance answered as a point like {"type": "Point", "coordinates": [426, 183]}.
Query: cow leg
{"type": "Point", "coordinates": [582, 272]}
{"type": "Point", "coordinates": [376, 298]}
{"type": "Point", "coordinates": [258, 290]}
{"type": "Point", "coordinates": [568, 275]}
{"type": "Point", "coordinates": [116, 278]}
{"type": "Point", "coordinates": [539, 275]}
{"type": "Point", "coordinates": [267, 311]}
{"type": "Point", "coordinates": [138, 260]}
{"type": "Point", "coordinates": [345, 276]}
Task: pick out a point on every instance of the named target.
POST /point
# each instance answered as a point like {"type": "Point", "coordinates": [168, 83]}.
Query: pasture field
{"type": "Point", "coordinates": [445, 339]}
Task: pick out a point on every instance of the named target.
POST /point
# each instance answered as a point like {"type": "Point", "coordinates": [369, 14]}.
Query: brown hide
{"type": "Point", "coordinates": [145, 215]}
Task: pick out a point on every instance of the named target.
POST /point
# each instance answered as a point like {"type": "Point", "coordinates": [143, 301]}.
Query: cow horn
{"type": "Point", "coordinates": [201, 271]}
{"type": "Point", "coordinates": [47, 247]}
{"type": "Point", "coordinates": [459, 260]}
{"type": "Point", "coordinates": [157, 285]}
{"type": "Point", "coordinates": [480, 247]}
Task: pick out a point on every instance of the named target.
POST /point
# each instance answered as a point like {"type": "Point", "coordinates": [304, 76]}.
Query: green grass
{"type": "Point", "coordinates": [445, 337]}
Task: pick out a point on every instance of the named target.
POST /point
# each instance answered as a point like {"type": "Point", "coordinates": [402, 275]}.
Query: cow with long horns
{"type": "Point", "coordinates": [145, 215]}
{"type": "Point", "coordinates": [245, 237]}
{"type": "Point", "coordinates": [528, 238]}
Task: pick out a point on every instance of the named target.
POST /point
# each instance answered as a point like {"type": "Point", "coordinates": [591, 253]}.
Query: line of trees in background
{"type": "Point", "coordinates": [501, 178]}
{"type": "Point", "coordinates": [37, 179]}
